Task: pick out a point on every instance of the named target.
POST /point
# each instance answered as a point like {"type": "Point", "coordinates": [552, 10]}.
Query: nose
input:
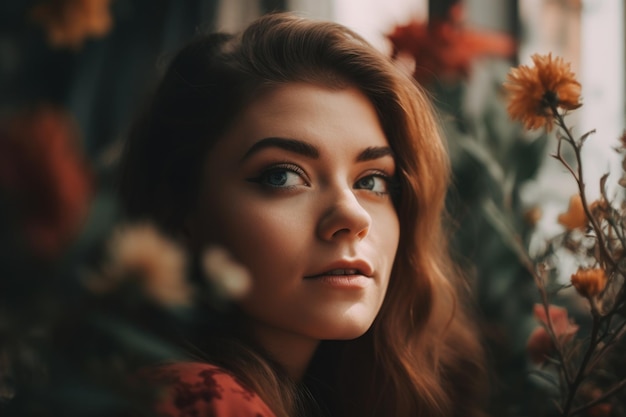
{"type": "Point", "coordinates": [345, 218]}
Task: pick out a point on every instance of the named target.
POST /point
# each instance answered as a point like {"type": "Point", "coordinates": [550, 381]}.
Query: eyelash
{"type": "Point", "coordinates": [278, 168]}
{"type": "Point", "coordinates": [392, 185]}
{"type": "Point", "coordinates": [389, 181]}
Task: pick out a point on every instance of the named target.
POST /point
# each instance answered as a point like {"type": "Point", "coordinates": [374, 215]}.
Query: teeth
{"type": "Point", "coordinates": [342, 272]}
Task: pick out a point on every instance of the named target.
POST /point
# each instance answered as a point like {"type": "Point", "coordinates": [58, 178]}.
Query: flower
{"type": "Point", "coordinates": [444, 47]}
{"type": "Point", "coordinates": [229, 278]}
{"type": "Point", "coordinates": [574, 217]}
{"type": "Point", "coordinates": [44, 171]}
{"type": "Point", "coordinates": [540, 345]}
{"type": "Point", "coordinates": [592, 394]}
{"type": "Point", "coordinates": [533, 215]}
{"type": "Point", "coordinates": [142, 253]}
{"type": "Point", "coordinates": [589, 282]}
{"type": "Point", "coordinates": [600, 410]}
{"type": "Point", "coordinates": [534, 93]}
{"type": "Point", "coordinates": [69, 22]}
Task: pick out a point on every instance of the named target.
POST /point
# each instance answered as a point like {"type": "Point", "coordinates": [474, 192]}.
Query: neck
{"type": "Point", "coordinates": [292, 351]}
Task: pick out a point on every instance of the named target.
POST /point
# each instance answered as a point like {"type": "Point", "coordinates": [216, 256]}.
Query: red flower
{"type": "Point", "coordinates": [600, 410]}
{"type": "Point", "coordinates": [42, 168]}
{"type": "Point", "coordinates": [445, 48]}
{"type": "Point", "coordinates": [540, 344]}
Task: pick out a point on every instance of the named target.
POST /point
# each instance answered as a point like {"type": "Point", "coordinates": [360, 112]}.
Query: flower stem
{"type": "Point", "coordinates": [607, 258]}
{"type": "Point", "coordinates": [621, 385]}
{"type": "Point", "coordinates": [613, 336]}
{"type": "Point", "coordinates": [580, 375]}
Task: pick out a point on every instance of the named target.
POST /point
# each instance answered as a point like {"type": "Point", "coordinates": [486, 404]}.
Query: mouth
{"type": "Point", "coordinates": [345, 269]}
{"type": "Point", "coordinates": [337, 272]}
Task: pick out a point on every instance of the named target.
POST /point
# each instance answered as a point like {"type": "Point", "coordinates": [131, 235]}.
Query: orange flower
{"type": "Point", "coordinates": [574, 217]}
{"type": "Point", "coordinates": [534, 92]}
{"type": "Point", "coordinates": [69, 22]}
{"type": "Point", "coordinates": [43, 169]}
{"type": "Point", "coordinates": [589, 282]}
{"type": "Point", "coordinates": [445, 48]}
{"type": "Point", "coordinates": [539, 345]}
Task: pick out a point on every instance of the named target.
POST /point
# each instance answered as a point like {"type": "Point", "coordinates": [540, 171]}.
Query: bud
{"type": "Point", "coordinates": [589, 282]}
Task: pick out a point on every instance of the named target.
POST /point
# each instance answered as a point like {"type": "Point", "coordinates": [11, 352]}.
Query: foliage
{"type": "Point", "coordinates": [86, 299]}
{"type": "Point", "coordinates": [547, 360]}
{"type": "Point", "coordinates": [586, 371]}
{"type": "Point", "coordinates": [65, 349]}
{"type": "Point", "coordinates": [492, 160]}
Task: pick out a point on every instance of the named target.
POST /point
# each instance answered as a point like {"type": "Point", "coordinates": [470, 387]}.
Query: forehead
{"type": "Point", "coordinates": [314, 113]}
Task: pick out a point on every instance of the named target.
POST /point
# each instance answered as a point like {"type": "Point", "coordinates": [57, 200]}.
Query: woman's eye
{"type": "Point", "coordinates": [281, 177]}
{"type": "Point", "coordinates": [377, 183]}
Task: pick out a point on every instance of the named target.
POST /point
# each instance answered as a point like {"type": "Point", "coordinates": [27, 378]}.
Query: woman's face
{"type": "Point", "coordinates": [298, 190]}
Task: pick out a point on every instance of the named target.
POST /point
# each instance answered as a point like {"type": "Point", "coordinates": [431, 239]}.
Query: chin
{"type": "Point", "coordinates": [346, 332]}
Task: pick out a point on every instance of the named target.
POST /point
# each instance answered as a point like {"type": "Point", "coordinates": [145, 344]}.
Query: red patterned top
{"type": "Point", "coordinates": [194, 389]}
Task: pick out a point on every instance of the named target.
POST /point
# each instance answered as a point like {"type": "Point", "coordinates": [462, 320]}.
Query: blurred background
{"type": "Point", "coordinates": [74, 74]}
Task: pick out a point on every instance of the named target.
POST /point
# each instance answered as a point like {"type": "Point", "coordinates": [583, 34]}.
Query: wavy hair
{"type": "Point", "coordinates": [422, 355]}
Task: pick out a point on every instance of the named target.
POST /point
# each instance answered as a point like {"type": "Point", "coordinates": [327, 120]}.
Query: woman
{"type": "Point", "coordinates": [319, 166]}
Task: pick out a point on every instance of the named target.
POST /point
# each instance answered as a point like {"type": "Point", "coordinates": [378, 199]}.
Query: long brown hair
{"type": "Point", "coordinates": [422, 356]}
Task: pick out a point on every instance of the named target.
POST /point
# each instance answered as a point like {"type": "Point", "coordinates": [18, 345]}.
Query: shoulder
{"type": "Point", "coordinates": [204, 390]}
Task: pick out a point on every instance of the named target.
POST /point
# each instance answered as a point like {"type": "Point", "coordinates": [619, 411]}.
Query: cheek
{"type": "Point", "coordinates": [268, 239]}
{"type": "Point", "coordinates": [386, 244]}
{"type": "Point", "coordinates": [386, 228]}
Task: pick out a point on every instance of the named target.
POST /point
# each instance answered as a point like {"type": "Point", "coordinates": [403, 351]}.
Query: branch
{"type": "Point", "coordinates": [581, 189]}
{"type": "Point", "coordinates": [603, 397]}
{"type": "Point", "coordinates": [580, 375]}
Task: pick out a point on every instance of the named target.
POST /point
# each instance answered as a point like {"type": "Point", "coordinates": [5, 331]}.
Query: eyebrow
{"type": "Point", "coordinates": [310, 151]}
{"type": "Point", "coordinates": [374, 152]}
{"type": "Point", "coordinates": [291, 145]}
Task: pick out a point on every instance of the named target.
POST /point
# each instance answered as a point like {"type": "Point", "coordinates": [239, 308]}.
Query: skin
{"type": "Point", "coordinates": [293, 208]}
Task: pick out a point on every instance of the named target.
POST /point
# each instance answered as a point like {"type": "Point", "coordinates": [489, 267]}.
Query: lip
{"type": "Point", "coordinates": [363, 267]}
{"type": "Point", "coordinates": [342, 282]}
